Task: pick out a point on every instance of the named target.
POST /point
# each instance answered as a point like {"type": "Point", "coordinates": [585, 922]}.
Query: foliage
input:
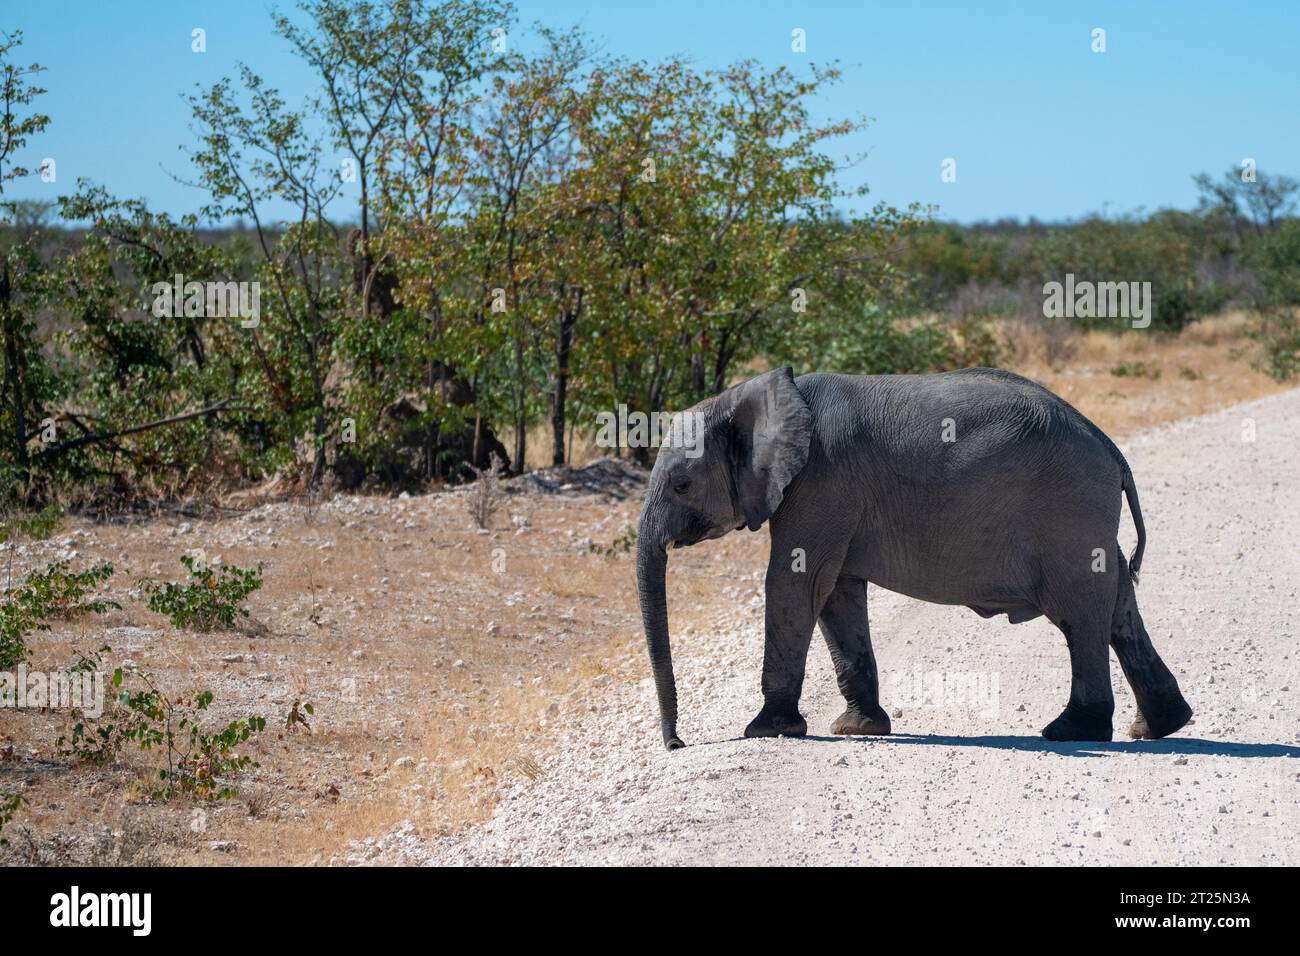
{"type": "Point", "coordinates": [54, 593]}
{"type": "Point", "coordinates": [9, 805]}
{"type": "Point", "coordinates": [35, 525]}
{"type": "Point", "coordinates": [1134, 370]}
{"type": "Point", "coordinates": [199, 760]}
{"type": "Point", "coordinates": [297, 717]}
{"type": "Point", "coordinates": [868, 341]}
{"type": "Point", "coordinates": [621, 544]}
{"type": "Point", "coordinates": [1274, 257]}
{"type": "Point", "coordinates": [1279, 334]}
{"type": "Point", "coordinates": [89, 739]}
{"type": "Point", "coordinates": [27, 382]}
{"type": "Point", "coordinates": [211, 599]}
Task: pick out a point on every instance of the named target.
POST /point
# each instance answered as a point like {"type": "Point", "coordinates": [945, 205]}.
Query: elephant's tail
{"type": "Point", "coordinates": [1131, 494]}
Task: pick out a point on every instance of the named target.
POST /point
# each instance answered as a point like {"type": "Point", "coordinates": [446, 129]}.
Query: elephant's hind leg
{"type": "Point", "coordinates": [1082, 609]}
{"type": "Point", "coordinates": [848, 636]}
{"type": "Point", "coordinates": [1161, 707]}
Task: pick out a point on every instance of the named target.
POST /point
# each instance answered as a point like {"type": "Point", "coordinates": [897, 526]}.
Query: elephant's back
{"type": "Point", "coordinates": [980, 429]}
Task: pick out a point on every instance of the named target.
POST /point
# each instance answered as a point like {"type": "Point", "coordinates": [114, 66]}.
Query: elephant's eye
{"type": "Point", "coordinates": [681, 484]}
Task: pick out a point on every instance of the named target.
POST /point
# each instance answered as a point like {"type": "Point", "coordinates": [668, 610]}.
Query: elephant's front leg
{"type": "Point", "coordinates": [798, 584]}
{"type": "Point", "coordinates": [848, 636]}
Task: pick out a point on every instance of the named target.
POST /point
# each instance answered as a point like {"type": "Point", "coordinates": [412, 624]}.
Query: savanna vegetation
{"type": "Point", "coordinates": [540, 235]}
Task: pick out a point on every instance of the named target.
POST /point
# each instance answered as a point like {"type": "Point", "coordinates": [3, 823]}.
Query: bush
{"type": "Point", "coordinates": [1156, 250]}
{"type": "Point", "coordinates": [873, 343]}
{"type": "Point", "coordinates": [210, 600]}
{"type": "Point", "coordinates": [36, 526]}
{"type": "Point", "coordinates": [486, 495]}
{"type": "Point", "coordinates": [622, 544]}
{"type": "Point", "coordinates": [9, 804]}
{"type": "Point", "coordinates": [1279, 333]}
{"type": "Point", "coordinates": [44, 596]}
{"type": "Point", "coordinates": [198, 760]}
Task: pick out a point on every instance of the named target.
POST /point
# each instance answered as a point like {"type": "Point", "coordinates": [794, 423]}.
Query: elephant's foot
{"type": "Point", "coordinates": [1162, 721]}
{"type": "Point", "coordinates": [777, 720]}
{"type": "Point", "coordinates": [1090, 722]}
{"type": "Point", "coordinates": [869, 721]}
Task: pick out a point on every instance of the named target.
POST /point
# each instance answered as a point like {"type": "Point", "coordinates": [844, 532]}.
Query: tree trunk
{"type": "Point", "coordinates": [13, 380]}
{"type": "Point", "coordinates": [563, 343]}
{"type": "Point", "coordinates": [521, 397]}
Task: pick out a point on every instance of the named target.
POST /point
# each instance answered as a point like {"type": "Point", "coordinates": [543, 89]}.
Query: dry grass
{"type": "Point", "coordinates": [1201, 369]}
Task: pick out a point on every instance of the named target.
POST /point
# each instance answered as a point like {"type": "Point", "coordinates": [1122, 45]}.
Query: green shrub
{"type": "Point", "coordinates": [297, 718]}
{"type": "Point", "coordinates": [199, 760]}
{"type": "Point", "coordinates": [1159, 250]}
{"type": "Point", "coordinates": [52, 594]}
{"type": "Point", "coordinates": [1274, 257]}
{"type": "Point", "coordinates": [9, 804]}
{"type": "Point", "coordinates": [210, 600]}
{"type": "Point", "coordinates": [89, 739]}
{"type": "Point", "coordinates": [1279, 333]}
{"type": "Point", "coordinates": [972, 344]}
{"type": "Point", "coordinates": [871, 342]}
{"type": "Point", "coordinates": [1135, 370]}
{"type": "Point", "coordinates": [620, 545]}
{"type": "Point", "coordinates": [36, 526]}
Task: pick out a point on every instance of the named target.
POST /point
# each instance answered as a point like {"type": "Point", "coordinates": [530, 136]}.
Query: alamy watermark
{"type": "Point", "coordinates": [82, 690]}
{"type": "Point", "coordinates": [976, 691]}
{"type": "Point", "coordinates": [624, 429]}
{"type": "Point", "coordinates": [75, 908]}
{"type": "Point", "coordinates": [217, 300]}
{"type": "Point", "coordinates": [1098, 300]}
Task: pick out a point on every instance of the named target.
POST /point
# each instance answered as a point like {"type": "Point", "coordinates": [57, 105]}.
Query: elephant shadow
{"type": "Point", "coordinates": [1174, 746]}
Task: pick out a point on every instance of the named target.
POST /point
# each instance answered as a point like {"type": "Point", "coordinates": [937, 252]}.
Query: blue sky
{"type": "Point", "coordinates": [1038, 123]}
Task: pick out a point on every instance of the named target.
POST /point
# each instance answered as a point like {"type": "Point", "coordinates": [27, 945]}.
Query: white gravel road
{"type": "Point", "coordinates": [966, 779]}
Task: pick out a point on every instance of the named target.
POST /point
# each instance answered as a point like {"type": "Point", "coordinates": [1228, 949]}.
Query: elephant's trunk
{"type": "Point", "coordinates": [651, 568]}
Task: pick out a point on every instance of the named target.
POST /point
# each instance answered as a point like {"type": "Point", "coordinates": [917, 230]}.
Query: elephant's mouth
{"type": "Point", "coordinates": [686, 540]}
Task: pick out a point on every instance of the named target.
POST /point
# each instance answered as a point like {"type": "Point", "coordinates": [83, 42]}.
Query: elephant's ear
{"type": "Point", "coordinates": [771, 427]}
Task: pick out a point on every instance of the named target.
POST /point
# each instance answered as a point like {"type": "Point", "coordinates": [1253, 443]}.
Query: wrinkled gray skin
{"type": "Point", "coordinates": [854, 470]}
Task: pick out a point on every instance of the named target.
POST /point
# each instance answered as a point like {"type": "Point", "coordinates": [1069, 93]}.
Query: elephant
{"type": "Point", "coordinates": [975, 487]}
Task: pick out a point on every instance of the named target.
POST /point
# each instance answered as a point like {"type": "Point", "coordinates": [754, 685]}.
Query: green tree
{"type": "Point", "coordinates": [27, 383]}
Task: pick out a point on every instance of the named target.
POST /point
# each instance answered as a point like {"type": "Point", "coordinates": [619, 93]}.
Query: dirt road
{"type": "Point", "coordinates": [966, 778]}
